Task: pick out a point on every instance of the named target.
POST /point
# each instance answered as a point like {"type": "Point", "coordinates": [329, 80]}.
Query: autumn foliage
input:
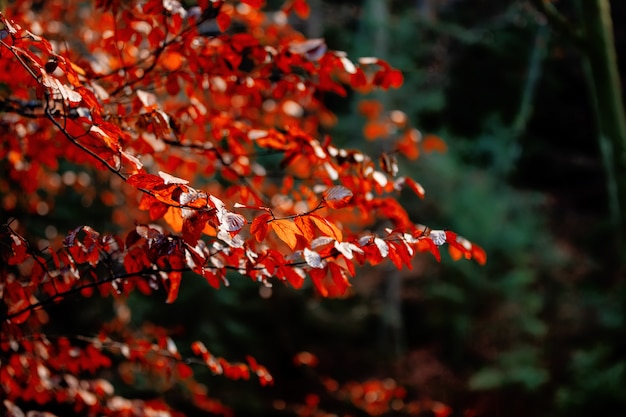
{"type": "Point", "coordinates": [204, 126]}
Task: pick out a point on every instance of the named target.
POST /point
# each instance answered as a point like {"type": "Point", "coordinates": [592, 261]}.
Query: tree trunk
{"type": "Point", "coordinates": [604, 84]}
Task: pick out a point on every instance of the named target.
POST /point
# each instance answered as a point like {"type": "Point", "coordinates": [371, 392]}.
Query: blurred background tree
{"type": "Point", "coordinates": [531, 109]}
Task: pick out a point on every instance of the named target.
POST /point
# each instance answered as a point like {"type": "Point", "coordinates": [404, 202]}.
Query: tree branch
{"type": "Point", "coordinates": [559, 22]}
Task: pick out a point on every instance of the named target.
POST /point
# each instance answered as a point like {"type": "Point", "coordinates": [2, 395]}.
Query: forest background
{"type": "Point", "coordinates": [539, 329]}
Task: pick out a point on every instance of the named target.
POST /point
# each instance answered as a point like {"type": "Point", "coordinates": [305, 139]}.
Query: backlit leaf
{"type": "Point", "coordinates": [326, 227]}
{"type": "Point", "coordinates": [305, 225]}
{"type": "Point", "coordinates": [286, 231]}
{"type": "Point", "coordinates": [260, 226]}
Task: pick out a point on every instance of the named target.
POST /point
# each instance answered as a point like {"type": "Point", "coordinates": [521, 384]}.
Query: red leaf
{"type": "Point", "coordinates": [427, 245]}
{"type": "Point", "coordinates": [211, 278]}
{"type": "Point", "coordinates": [223, 21]}
{"type": "Point", "coordinates": [156, 208]}
{"type": "Point", "coordinates": [339, 277]}
{"type": "Point", "coordinates": [21, 307]}
{"type": "Point", "coordinates": [174, 279]}
{"type": "Point", "coordinates": [184, 370]}
{"type": "Point", "coordinates": [260, 226]}
{"type": "Point", "coordinates": [416, 187]}
{"type": "Point", "coordinates": [317, 276]}
{"type": "Point", "coordinates": [479, 254]}
{"type": "Point", "coordinates": [253, 3]}
{"type": "Point", "coordinates": [432, 143]}
{"type": "Point", "coordinates": [147, 181]}
{"type": "Point", "coordinates": [358, 79]}
{"type": "Point", "coordinates": [294, 278]}
{"type": "Point", "coordinates": [19, 249]}
{"type": "Point", "coordinates": [395, 78]}
{"type": "Point", "coordinates": [193, 226]}
{"type": "Point", "coordinates": [302, 9]}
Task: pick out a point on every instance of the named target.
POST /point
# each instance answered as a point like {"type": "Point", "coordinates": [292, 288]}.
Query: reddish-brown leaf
{"type": "Point", "coordinates": [21, 309]}
{"type": "Point", "coordinates": [193, 226]}
{"type": "Point", "coordinates": [147, 181]}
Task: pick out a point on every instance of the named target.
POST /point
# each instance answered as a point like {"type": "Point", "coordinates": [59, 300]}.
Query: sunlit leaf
{"type": "Point", "coordinates": [260, 226]}
{"type": "Point", "coordinates": [286, 231]}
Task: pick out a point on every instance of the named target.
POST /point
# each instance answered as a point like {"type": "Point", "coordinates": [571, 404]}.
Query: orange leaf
{"type": "Point", "coordinates": [286, 231]}
{"type": "Point", "coordinates": [305, 225]}
{"type": "Point", "coordinates": [174, 218]}
{"type": "Point", "coordinates": [375, 129]}
{"type": "Point", "coordinates": [172, 60]}
{"type": "Point", "coordinates": [407, 145]}
{"type": "Point", "coordinates": [326, 227]}
{"type": "Point", "coordinates": [455, 253]}
{"type": "Point", "coordinates": [434, 143]}
{"type": "Point", "coordinates": [174, 282]}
